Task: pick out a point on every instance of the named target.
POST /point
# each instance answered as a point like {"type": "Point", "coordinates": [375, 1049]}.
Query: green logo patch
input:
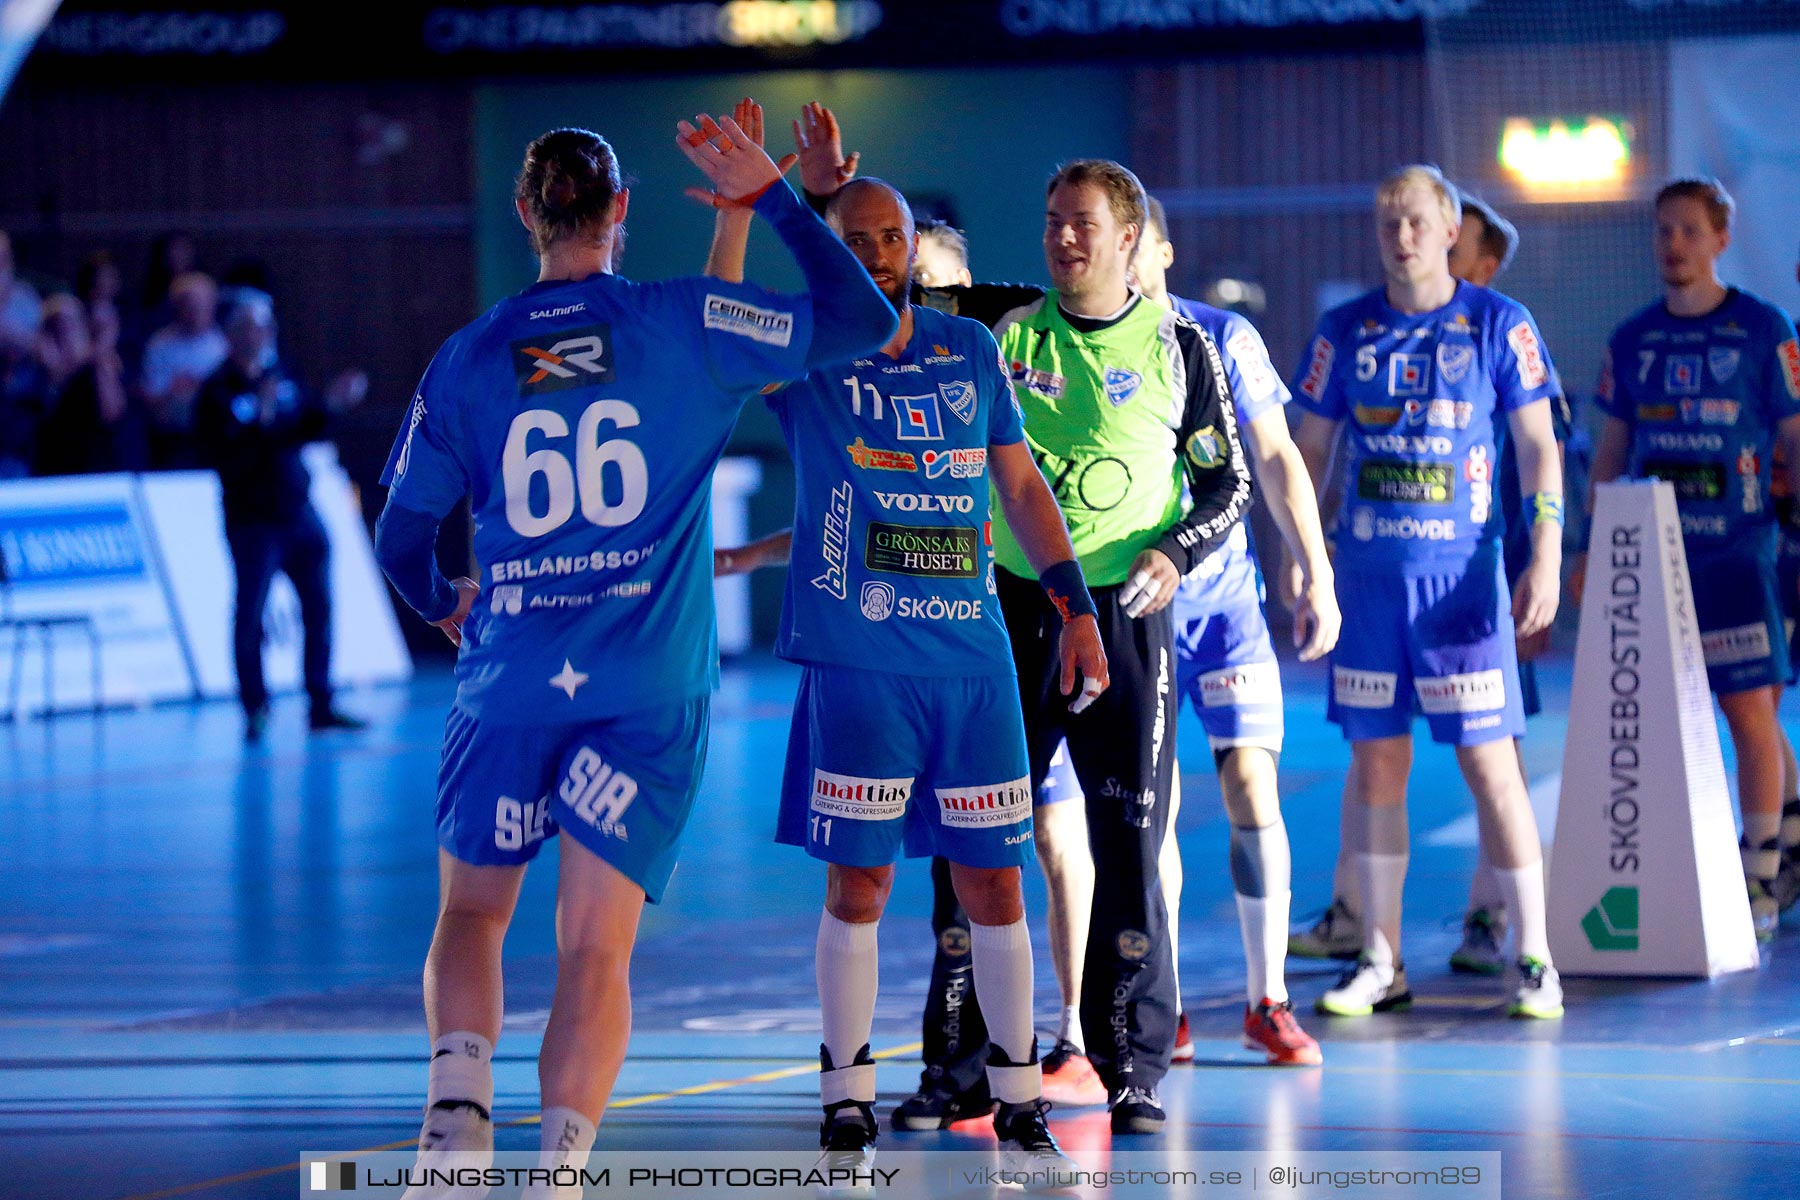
{"type": "Point", "coordinates": [1612, 924]}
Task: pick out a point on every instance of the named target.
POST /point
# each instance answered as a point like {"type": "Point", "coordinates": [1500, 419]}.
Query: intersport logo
{"type": "Point", "coordinates": [916, 502]}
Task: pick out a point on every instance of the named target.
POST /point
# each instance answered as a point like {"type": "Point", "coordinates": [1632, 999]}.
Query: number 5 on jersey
{"type": "Point", "coordinates": [585, 479]}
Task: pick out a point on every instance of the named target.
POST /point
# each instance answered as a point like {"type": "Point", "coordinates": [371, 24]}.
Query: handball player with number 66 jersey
{"type": "Point", "coordinates": [583, 418]}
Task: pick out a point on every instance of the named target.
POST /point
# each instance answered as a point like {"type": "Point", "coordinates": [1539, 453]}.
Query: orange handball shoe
{"type": "Point", "coordinates": [1271, 1028]}
{"type": "Point", "coordinates": [1184, 1042]}
{"type": "Point", "coordinates": [1069, 1078]}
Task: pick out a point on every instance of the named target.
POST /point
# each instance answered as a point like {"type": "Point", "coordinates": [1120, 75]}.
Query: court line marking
{"type": "Point", "coordinates": [699, 1089]}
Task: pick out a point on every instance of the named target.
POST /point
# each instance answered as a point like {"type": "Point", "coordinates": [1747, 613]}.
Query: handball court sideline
{"type": "Point", "coordinates": [210, 961]}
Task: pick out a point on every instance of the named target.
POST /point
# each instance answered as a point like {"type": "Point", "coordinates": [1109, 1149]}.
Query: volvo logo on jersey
{"type": "Point", "coordinates": [575, 358]}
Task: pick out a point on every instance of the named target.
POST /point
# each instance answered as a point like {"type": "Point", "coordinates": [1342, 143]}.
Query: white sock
{"type": "Point", "coordinates": [462, 1068]}
{"type": "Point", "coordinates": [1003, 979]}
{"type": "Point", "coordinates": [565, 1140]}
{"type": "Point", "coordinates": [1383, 878]}
{"type": "Point", "coordinates": [1523, 888]}
{"type": "Point", "coordinates": [847, 966]}
{"type": "Point", "coordinates": [1263, 924]}
{"type": "Point", "coordinates": [1261, 875]}
{"type": "Point", "coordinates": [1069, 1029]}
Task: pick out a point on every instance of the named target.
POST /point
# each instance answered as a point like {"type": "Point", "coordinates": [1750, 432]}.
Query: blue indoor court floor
{"type": "Point", "coordinates": [210, 962]}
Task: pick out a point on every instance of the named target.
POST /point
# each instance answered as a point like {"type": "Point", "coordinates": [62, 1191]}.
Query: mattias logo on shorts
{"type": "Point", "coordinates": [1475, 691]}
{"type": "Point", "coordinates": [859, 798]}
{"type": "Point", "coordinates": [577, 358]}
{"type": "Point", "coordinates": [764, 325]}
{"type": "Point", "coordinates": [1363, 689]}
{"type": "Point", "coordinates": [935, 552]}
{"type": "Point", "coordinates": [985, 807]}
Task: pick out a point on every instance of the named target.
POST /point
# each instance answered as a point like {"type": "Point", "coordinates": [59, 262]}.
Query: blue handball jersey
{"type": "Point", "coordinates": [1424, 398]}
{"type": "Point", "coordinates": [892, 566]}
{"type": "Point", "coordinates": [1256, 388]}
{"type": "Point", "coordinates": [584, 419]}
{"type": "Point", "coordinates": [1703, 396]}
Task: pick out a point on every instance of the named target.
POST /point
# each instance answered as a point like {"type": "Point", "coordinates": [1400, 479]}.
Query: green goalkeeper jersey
{"type": "Point", "coordinates": [1120, 413]}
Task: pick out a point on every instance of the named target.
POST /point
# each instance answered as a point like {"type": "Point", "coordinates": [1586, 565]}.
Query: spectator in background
{"type": "Point", "coordinates": [94, 424]}
{"type": "Point", "coordinates": [943, 256]}
{"type": "Point", "coordinates": [99, 285]}
{"type": "Point", "coordinates": [64, 345]}
{"type": "Point", "coordinates": [172, 255]}
{"type": "Point", "coordinates": [177, 358]}
{"type": "Point", "coordinates": [250, 421]}
{"type": "Point", "coordinates": [20, 308]}
{"type": "Point", "coordinates": [24, 397]}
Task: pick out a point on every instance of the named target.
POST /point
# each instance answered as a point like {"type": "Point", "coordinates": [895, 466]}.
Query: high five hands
{"type": "Point", "coordinates": [731, 156]}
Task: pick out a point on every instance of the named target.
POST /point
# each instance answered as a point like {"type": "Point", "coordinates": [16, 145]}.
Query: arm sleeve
{"type": "Point", "coordinates": [1610, 393]}
{"type": "Point", "coordinates": [1522, 371]}
{"type": "Point", "coordinates": [405, 542]}
{"type": "Point", "coordinates": [1315, 382]}
{"type": "Point", "coordinates": [1784, 385]}
{"type": "Point", "coordinates": [1006, 424]}
{"type": "Point", "coordinates": [425, 470]}
{"type": "Point", "coordinates": [1218, 473]}
{"type": "Point", "coordinates": [850, 315]}
{"type": "Point", "coordinates": [1255, 384]}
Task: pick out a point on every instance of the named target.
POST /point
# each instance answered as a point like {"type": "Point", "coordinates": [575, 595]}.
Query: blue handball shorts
{"type": "Point", "coordinates": [1737, 603]}
{"type": "Point", "coordinates": [1225, 665]}
{"type": "Point", "coordinates": [623, 787]}
{"type": "Point", "coordinates": [1787, 584]}
{"type": "Point", "coordinates": [1059, 783]}
{"type": "Point", "coordinates": [1444, 639]}
{"type": "Point", "coordinates": [879, 763]}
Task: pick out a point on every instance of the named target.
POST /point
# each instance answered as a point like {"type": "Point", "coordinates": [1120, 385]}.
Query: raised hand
{"type": "Point", "coordinates": [823, 167]}
{"type": "Point", "coordinates": [735, 165]}
{"type": "Point", "coordinates": [749, 117]}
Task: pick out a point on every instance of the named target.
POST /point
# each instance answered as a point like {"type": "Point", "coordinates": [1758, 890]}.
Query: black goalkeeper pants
{"type": "Point", "coordinates": [1123, 752]}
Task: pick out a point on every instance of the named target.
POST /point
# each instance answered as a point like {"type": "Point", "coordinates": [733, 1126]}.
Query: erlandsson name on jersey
{"type": "Point", "coordinates": [568, 564]}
